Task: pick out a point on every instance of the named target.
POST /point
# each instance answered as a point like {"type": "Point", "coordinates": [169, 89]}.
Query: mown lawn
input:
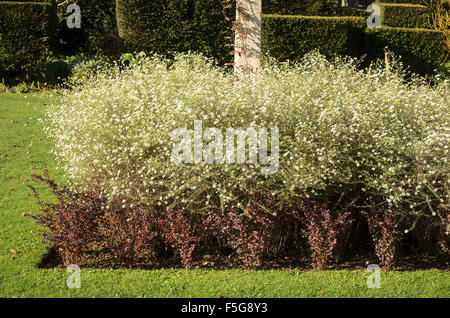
{"type": "Point", "coordinates": [24, 150]}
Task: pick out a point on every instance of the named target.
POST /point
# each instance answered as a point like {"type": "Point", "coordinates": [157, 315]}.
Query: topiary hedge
{"type": "Point", "coordinates": [310, 8]}
{"type": "Point", "coordinates": [26, 35]}
{"type": "Point", "coordinates": [158, 26]}
{"type": "Point", "coordinates": [422, 49]}
{"type": "Point", "coordinates": [200, 26]}
{"type": "Point", "coordinates": [98, 32]}
{"type": "Point", "coordinates": [401, 1]}
{"type": "Point", "coordinates": [291, 37]}
{"type": "Point", "coordinates": [212, 32]}
{"type": "Point", "coordinates": [404, 15]}
{"type": "Point", "coordinates": [301, 7]}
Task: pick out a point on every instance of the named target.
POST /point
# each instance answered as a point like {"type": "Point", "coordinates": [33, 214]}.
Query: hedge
{"type": "Point", "coordinates": [290, 37]}
{"type": "Point", "coordinates": [187, 25]}
{"type": "Point", "coordinates": [26, 35]}
{"type": "Point", "coordinates": [180, 25]}
{"type": "Point", "coordinates": [175, 26]}
{"type": "Point", "coordinates": [310, 8]}
{"type": "Point", "coordinates": [212, 32]}
{"type": "Point", "coordinates": [401, 1]}
{"type": "Point", "coordinates": [301, 7]}
{"type": "Point", "coordinates": [404, 15]}
{"type": "Point", "coordinates": [158, 26]}
{"type": "Point", "coordinates": [422, 49]}
{"type": "Point", "coordinates": [351, 12]}
{"type": "Point", "coordinates": [98, 32]}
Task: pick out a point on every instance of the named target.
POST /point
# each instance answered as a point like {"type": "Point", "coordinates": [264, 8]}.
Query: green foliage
{"type": "Point", "coordinates": [402, 1]}
{"type": "Point", "coordinates": [76, 67]}
{"type": "Point", "coordinates": [166, 27]}
{"type": "Point", "coordinates": [201, 26]}
{"type": "Point", "coordinates": [26, 35]}
{"type": "Point", "coordinates": [94, 12]}
{"type": "Point", "coordinates": [83, 68]}
{"type": "Point", "coordinates": [158, 26]}
{"type": "Point", "coordinates": [212, 30]}
{"type": "Point", "coordinates": [421, 49]}
{"type": "Point", "coordinates": [98, 32]}
{"type": "Point", "coordinates": [444, 69]}
{"type": "Point", "coordinates": [133, 59]}
{"type": "Point", "coordinates": [291, 37]}
{"type": "Point", "coordinates": [56, 70]}
{"type": "Point", "coordinates": [285, 6]}
{"type": "Point", "coordinates": [351, 12]}
{"type": "Point", "coordinates": [301, 7]}
{"type": "Point", "coordinates": [404, 15]}
{"type": "Point", "coordinates": [310, 8]}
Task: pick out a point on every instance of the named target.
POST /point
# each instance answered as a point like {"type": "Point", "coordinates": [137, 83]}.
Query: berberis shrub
{"type": "Point", "coordinates": [383, 225]}
{"type": "Point", "coordinates": [347, 137]}
{"type": "Point", "coordinates": [322, 231]}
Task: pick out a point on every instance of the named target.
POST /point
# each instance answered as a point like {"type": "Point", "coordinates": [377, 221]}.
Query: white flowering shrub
{"type": "Point", "coordinates": [346, 136]}
{"type": "Point", "coordinates": [82, 69]}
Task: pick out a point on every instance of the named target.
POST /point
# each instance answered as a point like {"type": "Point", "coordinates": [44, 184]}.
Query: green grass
{"type": "Point", "coordinates": [26, 147]}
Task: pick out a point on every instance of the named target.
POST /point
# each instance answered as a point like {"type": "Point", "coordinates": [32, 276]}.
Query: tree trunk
{"type": "Point", "coordinates": [247, 56]}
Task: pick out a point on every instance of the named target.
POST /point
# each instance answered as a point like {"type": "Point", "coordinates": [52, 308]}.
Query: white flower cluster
{"type": "Point", "coordinates": [343, 132]}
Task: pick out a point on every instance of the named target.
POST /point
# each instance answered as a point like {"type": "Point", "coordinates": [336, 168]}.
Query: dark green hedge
{"type": "Point", "coordinates": [98, 32]}
{"type": "Point", "coordinates": [180, 25]}
{"type": "Point", "coordinates": [164, 26]}
{"type": "Point", "coordinates": [212, 32]}
{"type": "Point", "coordinates": [94, 12]}
{"type": "Point", "coordinates": [290, 37]}
{"type": "Point", "coordinates": [404, 15]}
{"type": "Point", "coordinates": [26, 35]}
{"type": "Point", "coordinates": [310, 8]}
{"type": "Point", "coordinates": [402, 1]}
{"type": "Point", "coordinates": [285, 6]}
{"type": "Point", "coordinates": [351, 12]}
{"type": "Point", "coordinates": [422, 49]}
{"type": "Point", "coordinates": [301, 7]}
{"type": "Point", "coordinates": [159, 26]}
